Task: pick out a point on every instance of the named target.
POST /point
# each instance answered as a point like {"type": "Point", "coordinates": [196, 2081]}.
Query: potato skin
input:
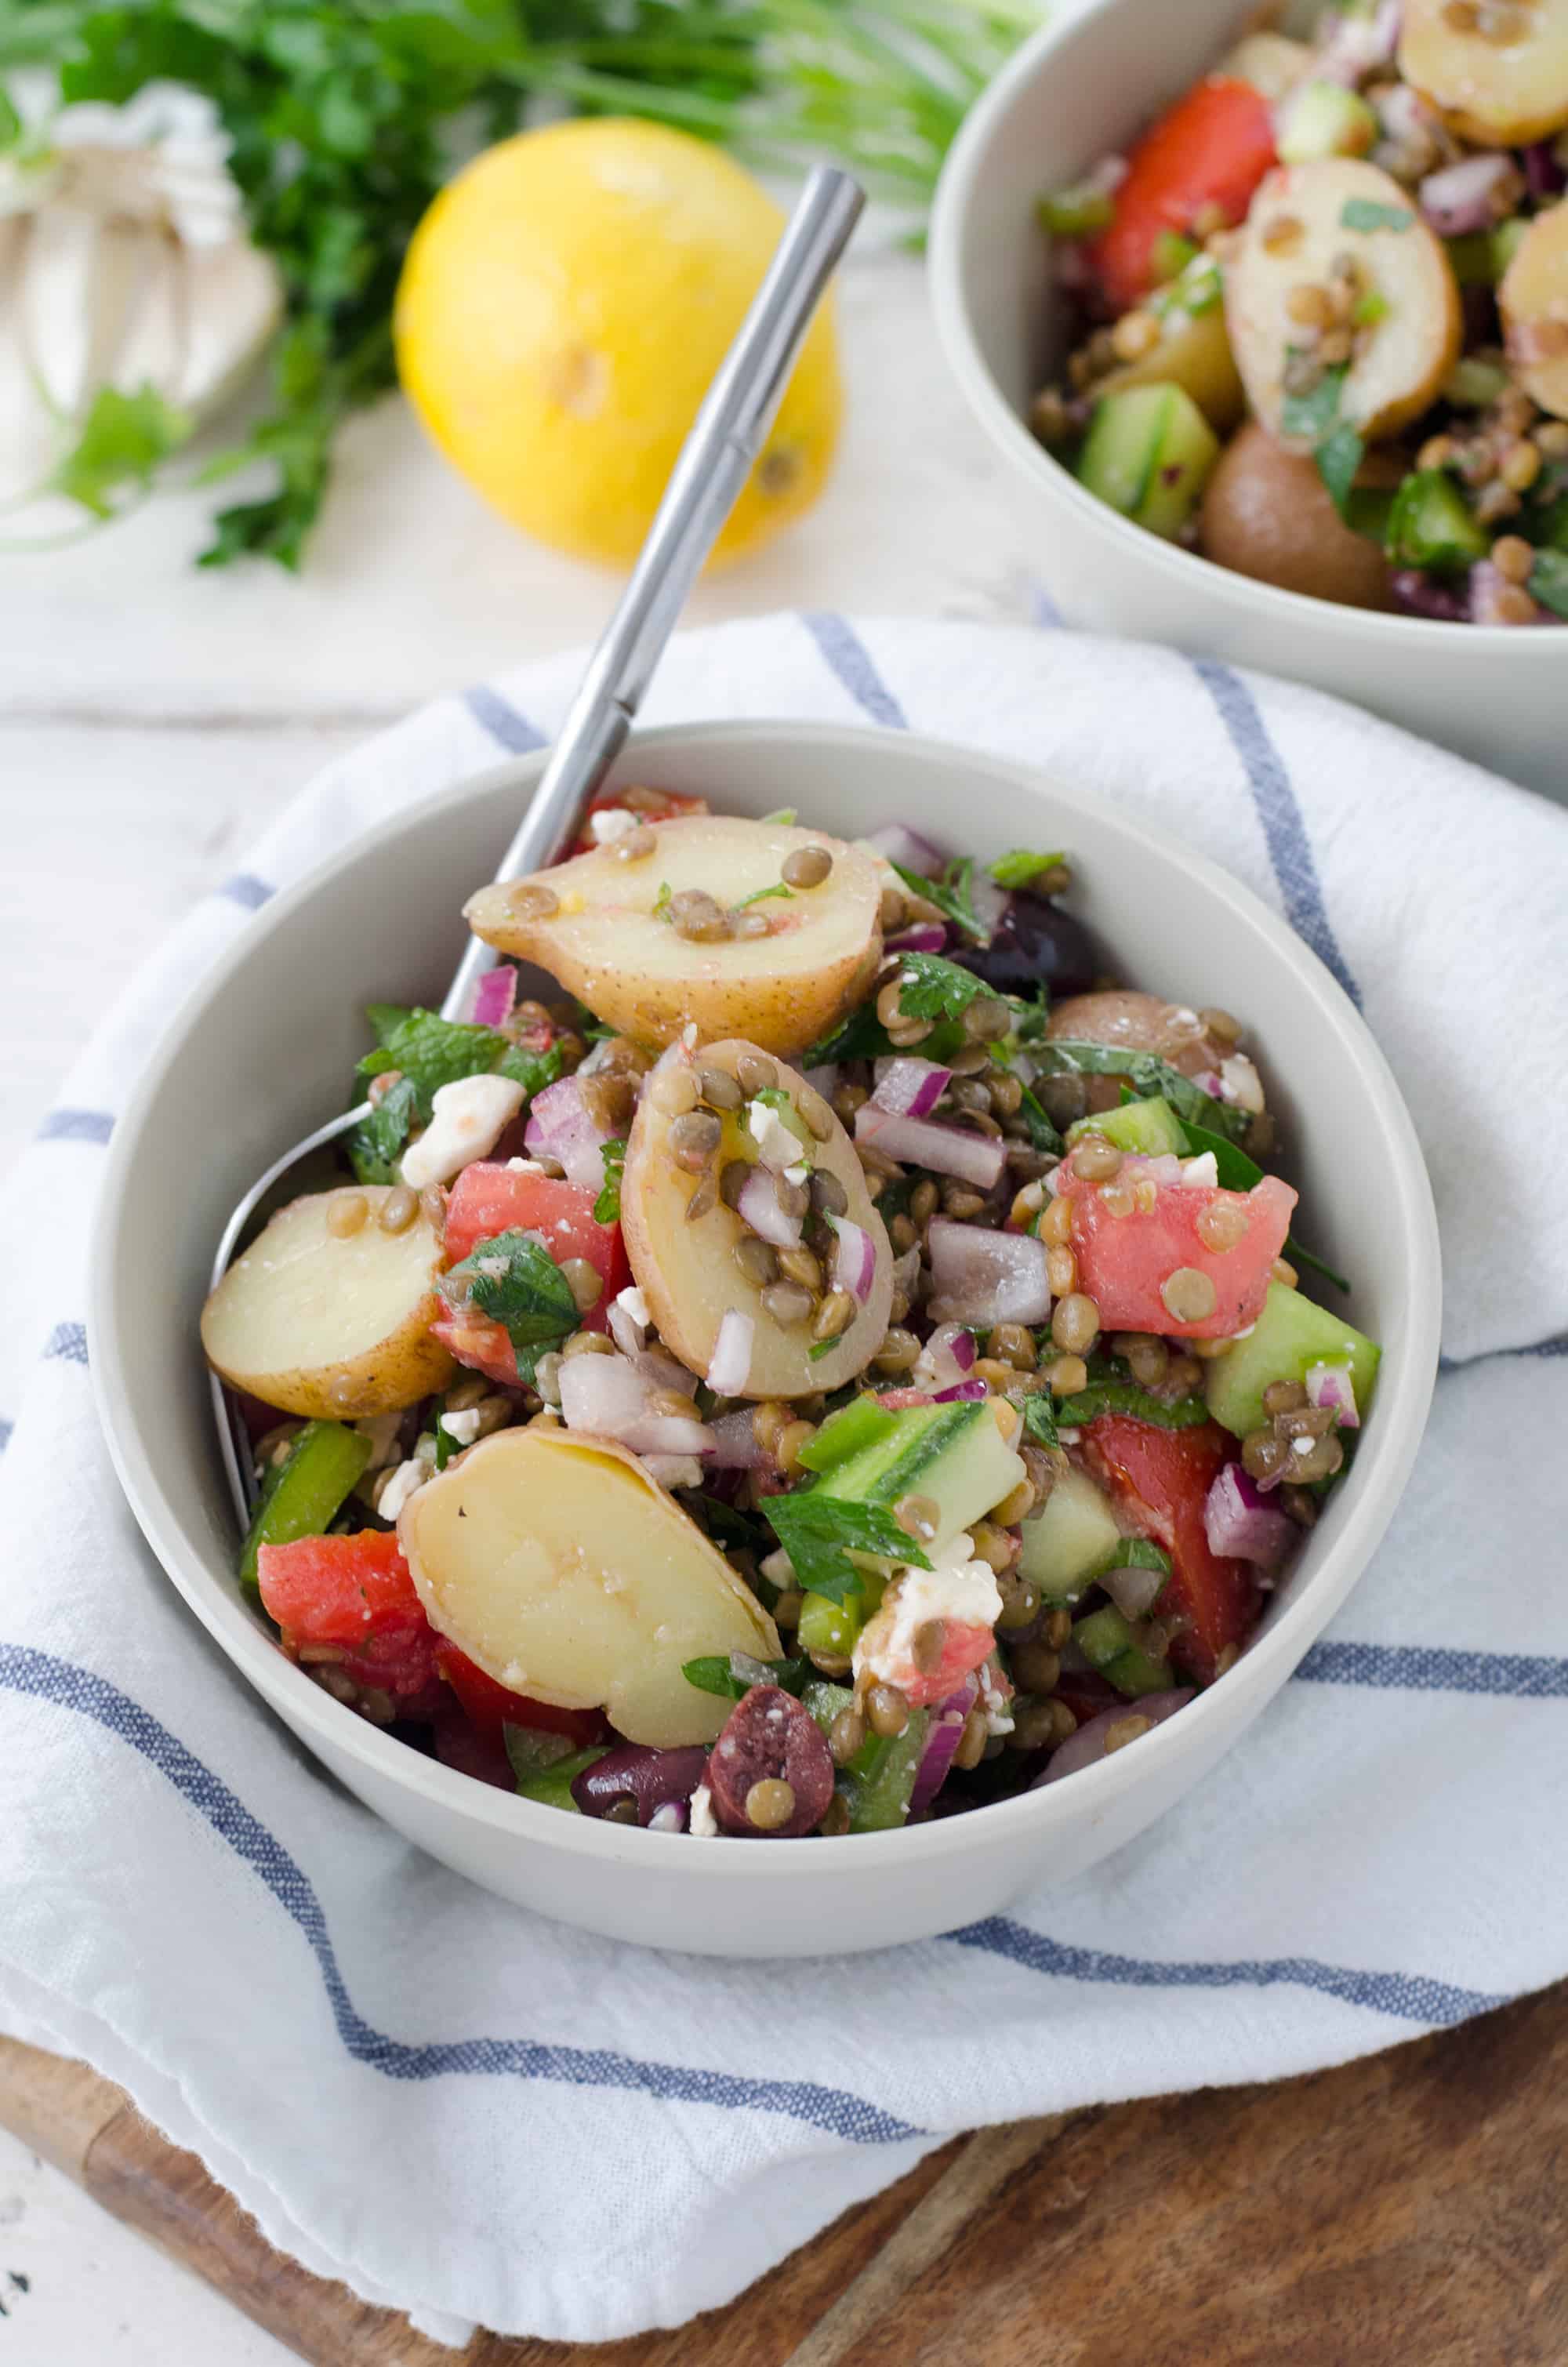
{"type": "Point", "coordinates": [1267, 513]}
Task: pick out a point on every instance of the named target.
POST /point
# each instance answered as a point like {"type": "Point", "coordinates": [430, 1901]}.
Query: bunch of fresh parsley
{"type": "Point", "coordinates": [347, 116]}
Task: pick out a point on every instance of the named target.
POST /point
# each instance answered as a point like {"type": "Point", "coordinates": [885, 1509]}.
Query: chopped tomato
{"type": "Point", "coordinates": [489, 1198]}
{"type": "Point", "coordinates": [491, 1705]}
{"type": "Point", "coordinates": [652, 805]}
{"type": "Point", "coordinates": [355, 1596]}
{"type": "Point", "coordinates": [1125, 1262]}
{"type": "Point", "coordinates": [1160, 1479]}
{"type": "Point", "coordinates": [1209, 151]}
{"type": "Point", "coordinates": [481, 1343]}
{"type": "Point", "coordinates": [1088, 1694]}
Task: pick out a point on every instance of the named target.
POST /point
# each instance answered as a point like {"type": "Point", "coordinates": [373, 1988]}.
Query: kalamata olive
{"type": "Point", "coordinates": [1033, 944]}
{"type": "Point", "coordinates": [649, 1778]}
{"type": "Point", "coordinates": [771, 1739]}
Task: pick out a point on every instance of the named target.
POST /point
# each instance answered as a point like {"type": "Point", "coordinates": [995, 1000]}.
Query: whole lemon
{"type": "Point", "coordinates": [563, 306]}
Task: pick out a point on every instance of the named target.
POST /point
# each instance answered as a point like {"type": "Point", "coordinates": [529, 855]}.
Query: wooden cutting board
{"type": "Point", "coordinates": [1407, 2210]}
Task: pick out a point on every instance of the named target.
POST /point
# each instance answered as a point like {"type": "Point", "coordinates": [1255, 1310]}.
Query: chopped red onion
{"type": "Point", "coordinates": [961, 1393]}
{"type": "Point", "coordinates": [629, 1336]}
{"type": "Point", "coordinates": [823, 1078]}
{"type": "Point", "coordinates": [1359, 46]}
{"type": "Point", "coordinates": [729, 1368]}
{"type": "Point", "coordinates": [1544, 169]}
{"type": "Point", "coordinates": [757, 1206]}
{"type": "Point", "coordinates": [1487, 586]}
{"type": "Point", "coordinates": [943, 1738]}
{"type": "Point", "coordinates": [909, 1088]}
{"type": "Point", "coordinates": [1424, 595]}
{"type": "Point", "coordinates": [735, 1447]}
{"type": "Point", "coordinates": [947, 1358]}
{"type": "Point", "coordinates": [905, 1275]}
{"type": "Point", "coordinates": [1210, 1082]}
{"type": "Point", "coordinates": [494, 995]}
{"type": "Point", "coordinates": [1087, 1745]}
{"type": "Point", "coordinates": [1463, 196]}
{"type": "Point", "coordinates": [1331, 1384]}
{"type": "Point", "coordinates": [944, 1149]}
{"type": "Point", "coordinates": [984, 1277]}
{"type": "Point", "coordinates": [1239, 1525]}
{"type": "Point", "coordinates": [901, 845]}
{"type": "Point", "coordinates": [608, 1396]}
{"type": "Point", "coordinates": [1134, 1590]}
{"type": "Point", "coordinates": [560, 1129]}
{"type": "Point", "coordinates": [925, 937]}
{"type": "Point", "coordinates": [854, 1258]}
{"type": "Point", "coordinates": [660, 1370]}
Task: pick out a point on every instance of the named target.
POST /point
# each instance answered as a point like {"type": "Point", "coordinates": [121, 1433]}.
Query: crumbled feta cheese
{"type": "Point", "coordinates": [466, 1120]}
{"type": "Point", "coordinates": [778, 1568]}
{"type": "Point", "coordinates": [635, 1306]}
{"type": "Point", "coordinates": [995, 1703]}
{"type": "Point", "coordinates": [958, 1588]}
{"type": "Point", "coordinates": [775, 1140]}
{"type": "Point", "coordinates": [464, 1425]}
{"type": "Point", "coordinates": [1302, 1446]}
{"type": "Point", "coordinates": [524, 1167]}
{"type": "Point", "coordinates": [704, 1823]}
{"type": "Point", "coordinates": [1240, 1083]}
{"type": "Point", "coordinates": [406, 1481]}
{"type": "Point", "coordinates": [800, 1173]}
{"type": "Point", "coordinates": [1202, 1174]}
{"type": "Point", "coordinates": [611, 822]}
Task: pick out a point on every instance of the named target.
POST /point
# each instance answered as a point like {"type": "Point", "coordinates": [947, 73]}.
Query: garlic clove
{"type": "Point", "coordinates": [232, 301]}
{"type": "Point", "coordinates": [151, 348]}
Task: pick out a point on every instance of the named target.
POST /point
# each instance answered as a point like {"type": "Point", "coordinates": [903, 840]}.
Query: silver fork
{"type": "Point", "coordinates": [717, 459]}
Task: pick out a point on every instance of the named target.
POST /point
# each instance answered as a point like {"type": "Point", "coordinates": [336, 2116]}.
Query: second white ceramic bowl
{"type": "Point", "coordinates": [1079, 90]}
{"type": "Point", "coordinates": [266, 1047]}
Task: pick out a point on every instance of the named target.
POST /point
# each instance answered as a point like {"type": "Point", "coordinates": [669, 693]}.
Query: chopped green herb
{"type": "Point", "coordinates": [445, 1445]}
{"type": "Point", "coordinates": [819, 1533]}
{"type": "Point", "coordinates": [783, 814]}
{"type": "Point", "coordinates": [661, 901]}
{"type": "Point", "coordinates": [950, 894]}
{"type": "Point", "coordinates": [1151, 1078]}
{"type": "Point", "coordinates": [515, 1281]}
{"type": "Point", "coordinates": [1370, 309]}
{"type": "Point", "coordinates": [1075, 213]}
{"type": "Point", "coordinates": [820, 1348]}
{"type": "Point", "coordinates": [1125, 1396]}
{"type": "Point", "coordinates": [1017, 869]}
{"type": "Point", "coordinates": [1040, 1421]}
{"type": "Point", "coordinates": [607, 1207]}
{"type": "Point", "coordinates": [760, 895]}
{"type": "Point", "coordinates": [122, 443]}
{"type": "Point", "coordinates": [732, 1677]}
{"type": "Point", "coordinates": [429, 1051]}
{"type": "Point", "coordinates": [1170, 255]}
{"type": "Point", "coordinates": [377, 1143]}
{"type": "Point", "coordinates": [1140, 1553]}
{"type": "Point", "coordinates": [934, 989]}
{"type": "Point", "coordinates": [1549, 581]}
{"type": "Point", "coordinates": [1311, 416]}
{"type": "Point", "coordinates": [1339, 457]}
{"type": "Point", "coordinates": [532, 1749]}
{"type": "Point", "coordinates": [1366, 213]}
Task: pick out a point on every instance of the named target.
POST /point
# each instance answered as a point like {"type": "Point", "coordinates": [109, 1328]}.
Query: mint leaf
{"type": "Point", "coordinates": [1366, 213]}
{"type": "Point", "coordinates": [428, 1050]}
{"type": "Point", "coordinates": [607, 1207]}
{"type": "Point", "coordinates": [123, 440]}
{"type": "Point", "coordinates": [1040, 1420]}
{"type": "Point", "coordinates": [531, 1070]}
{"type": "Point", "coordinates": [1140, 1553]}
{"type": "Point", "coordinates": [1311, 416]}
{"type": "Point", "coordinates": [515, 1281]}
{"type": "Point", "coordinates": [1125, 1396]}
{"type": "Point", "coordinates": [1150, 1077]}
{"type": "Point", "coordinates": [1339, 457]}
{"type": "Point", "coordinates": [1017, 869]}
{"type": "Point", "coordinates": [934, 989]}
{"type": "Point", "coordinates": [733, 1676]}
{"type": "Point", "coordinates": [819, 1532]}
{"type": "Point", "coordinates": [1549, 581]}
{"type": "Point", "coordinates": [950, 895]}
{"type": "Point", "coordinates": [377, 1142]}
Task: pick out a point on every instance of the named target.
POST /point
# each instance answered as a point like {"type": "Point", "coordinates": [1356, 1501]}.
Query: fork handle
{"type": "Point", "coordinates": [714, 462]}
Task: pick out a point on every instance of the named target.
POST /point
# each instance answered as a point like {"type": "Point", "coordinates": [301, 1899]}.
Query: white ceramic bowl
{"type": "Point", "coordinates": [265, 1048]}
{"type": "Point", "coordinates": [1077, 90]}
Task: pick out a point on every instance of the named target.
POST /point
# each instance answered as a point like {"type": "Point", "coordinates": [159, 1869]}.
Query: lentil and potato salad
{"type": "Point", "coordinates": [1322, 313]}
{"type": "Point", "coordinates": [840, 1361]}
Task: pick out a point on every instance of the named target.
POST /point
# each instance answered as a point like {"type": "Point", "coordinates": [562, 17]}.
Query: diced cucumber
{"type": "Point", "coordinates": [1148, 454]}
{"type": "Point", "coordinates": [1322, 118]}
{"type": "Point", "coordinates": [1151, 1127]}
{"type": "Point", "coordinates": [1291, 1334]}
{"type": "Point", "coordinates": [859, 1424]}
{"type": "Point", "coordinates": [1472, 384]}
{"type": "Point", "coordinates": [1431, 527]}
{"type": "Point", "coordinates": [1076, 213]}
{"type": "Point", "coordinates": [1170, 255]}
{"type": "Point", "coordinates": [1480, 257]}
{"type": "Point", "coordinates": [825, 1701]}
{"type": "Point", "coordinates": [1070, 1540]}
{"type": "Point", "coordinates": [551, 1788]}
{"type": "Point", "coordinates": [828, 1626]}
{"type": "Point", "coordinates": [877, 1784]}
{"type": "Point", "coordinates": [531, 1750]}
{"type": "Point", "coordinates": [305, 1493]}
{"type": "Point", "coordinates": [1109, 1644]}
{"type": "Point", "coordinates": [953, 1453]}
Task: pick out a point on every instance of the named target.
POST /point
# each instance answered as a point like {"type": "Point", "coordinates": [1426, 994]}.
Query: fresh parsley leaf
{"type": "Point", "coordinates": [1549, 581]}
{"type": "Point", "coordinates": [1017, 869]}
{"type": "Point", "coordinates": [733, 1676]}
{"type": "Point", "coordinates": [122, 442]}
{"type": "Point", "coordinates": [661, 903]}
{"type": "Point", "coordinates": [447, 1446]}
{"type": "Point", "coordinates": [515, 1281]}
{"type": "Point", "coordinates": [760, 895]}
{"type": "Point", "coordinates": [430, 1050]}
{"type": "Point", "coordinates": [1365, 213]}
{"type": "Point", "coordinates": [1311, 416]}
{"type": "Point", "coordinates": [607, 1207]}
{"type": "Point", "coordinates": [1040, 1420]}
{"type": "Point", "coordinates": [820, 1532]}
{"type": "Point", "coordinates": [377, 1143]}
{"type": "Point", "coordinates": [1151, 1078]}
{"type": "Point", "coordinates": [1339, 457]}
{"type": "Point", "coordinates": [1125, 1396]}
{"type": "Point", "coordinates": [950, 895]}
{"type": "Point", "coordinates": [820, 1348]}
{"type": "Point", "coordinates": [743, 1531]}
{"type": "Point", "coordinates": [934, 989]}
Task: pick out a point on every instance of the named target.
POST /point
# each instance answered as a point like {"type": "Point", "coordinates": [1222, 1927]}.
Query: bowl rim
{"type": "Point", "coordinates": [1407, 1376]}
{"type": "Point", "coordinates": [1187, 571]}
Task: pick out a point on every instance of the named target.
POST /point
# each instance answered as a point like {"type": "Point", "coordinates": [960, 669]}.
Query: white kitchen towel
{"type": "Point", "coordinates": [480, 2116]}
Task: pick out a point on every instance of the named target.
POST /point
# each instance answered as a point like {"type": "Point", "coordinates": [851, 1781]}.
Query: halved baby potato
{"type": "Point", "coordinates": [1301, 219]}
{"type": "Point", "coordinates": [1498, 92]}
{"type": "Point", "coordinates": [1194, 354]}
{"type": "Point", "coordinates": [558, 1564]}
{"type": "Point", "coordinates": [328, 1314]}
{"type": "Point", "coordinates": [687, 1269]}
{"type": "Point", "coordinates": [604, 926]}
{"type": "Point", "coordinates": [1533, 299]}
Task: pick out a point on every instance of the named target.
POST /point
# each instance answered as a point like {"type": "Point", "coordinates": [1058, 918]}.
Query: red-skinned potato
{"type": "Point", "coordinates": [605, 926]}
{"type": "Point", "coordinates": [1268, 513]}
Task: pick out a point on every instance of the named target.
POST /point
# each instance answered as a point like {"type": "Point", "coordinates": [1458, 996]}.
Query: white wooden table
{"type": "Point", "coordinates": [150, 720]}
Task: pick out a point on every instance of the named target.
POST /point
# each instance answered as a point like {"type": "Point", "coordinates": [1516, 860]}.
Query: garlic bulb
{"type": "Point", "coordinates": [124, 261]}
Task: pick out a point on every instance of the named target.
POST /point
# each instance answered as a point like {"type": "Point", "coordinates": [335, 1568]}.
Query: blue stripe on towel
{"type": "Point", "coordinates": [76, 1126]}
{"type": "Point", "coordinates": [1411, 1997]}
{"type": "Point", "coordinates": [246, 890]}
{"type": "Point", "coordinates": [495, 715]}
{"type": "Point", "coordinates": [835, 2110]}
{"type": "Point", "coordinates": [850, 660]}
{"type": "Point", "coordinates": [1433, 1667]}
{"type": "Point", "coordinates": [67, 1343]}
{"type": "Point", "coordinates": [1556, 1346]}
{"type": "Point", "coordinates": [1289, 849]}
